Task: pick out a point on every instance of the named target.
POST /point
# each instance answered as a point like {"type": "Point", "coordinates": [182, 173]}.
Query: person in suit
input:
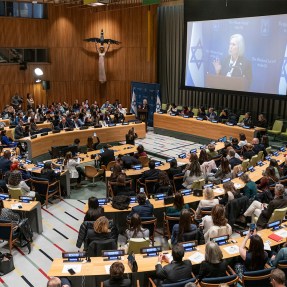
{"type": "Point", "coordinates": [233, 161]}
{"type": "Point", "coordinates": [117, 279]}
{"type": "Point", "coordinates": [176, 270]}
{"type": "Point", "coordinates": [248, 153]}
{"type": "Point", "coordinates": [127, 161]}
{"type": "Point", "coordinates": [144, 207]}
{"type": "Point", "coordinates": [265, 214]}
{"type": "Point", "coordinates": [121, 188]}
{"type": "Point", "coordinates": [257, 147]}
{"type": "Point", "coordinates": [5, 161]}
{"type": "Point", "coordinates": [152, 173]}
{"type": "Point", "coordinates": [48, 173]}
{"type": "Point", "coordinates": [107, 156]}
{"type": "Point", "coordinates": [174, 169]}
{"type": "Point", "coordinates": [235, 65]}
{"type": "Point", "coordinates": [213, 265]}
{"type": "Point", "coordinates": [63, 123]}
{"type": "Point", "coordinates": [19, 131]}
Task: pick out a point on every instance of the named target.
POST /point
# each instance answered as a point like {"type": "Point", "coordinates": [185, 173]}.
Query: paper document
{"type": "Point", "coordinates": [218, 190]}
{"type": "Point", "coordinates": [281, 232]}
{"type": "Point", "coordinates": [233, 249]}
{"type": "Point", "coordinates": [196, 257]}
{"type": "Point", "coordinates": [107, 268]}
{"type": "Point", "coordinates": [76, 267]}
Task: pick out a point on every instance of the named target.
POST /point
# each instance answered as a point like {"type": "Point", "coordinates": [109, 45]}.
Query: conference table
{"type": "Point", "coordinates": [31, 210]}
{"type": "Point", "coordinates": [99, 267]}
{"type": "Point", "coordinates": [204, 129]}
{"type": "Point", "coordinates": [41, 144]}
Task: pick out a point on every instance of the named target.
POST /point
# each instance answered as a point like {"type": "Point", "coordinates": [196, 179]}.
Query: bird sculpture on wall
{"type": "Point", "coordinates": [102, 52]}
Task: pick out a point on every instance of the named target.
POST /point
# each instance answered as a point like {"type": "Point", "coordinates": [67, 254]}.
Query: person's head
{"type": "Point", "coordinates": [3, 133]}
{"type": "Point", "coordinates": [101, 225]}
{"type": "Point", "coordinates": [193, 157]}
{"type": "Point", "coordinates": [218, 215]}
{"type": "Point", "coordinates": [261, 118]}
{"type": "Point", "coordinates": [178, 200]}
{"type": "Point", "coordinates": [211, 110]}
{"type": "Point", "coordinates": [68, 156]}
{"type": "Point", "coordinates": [163, 178]}
{"type": "Point", "coordinates": [229, 186]}
{"type": "Point", "coordinates": [140, 148]}
{"type": "Point", "coordinates": [135, 221]}
{"type": "Point", "coordinates": [277, 278]}
{"type": "Point", "coordinates": [242, 137]}
{"type": "Point", "coordinates": [231, 153]}
{"type": "Point", "coordinates": [247, 115]}
{"type": "Point", "coordinates": [234, 141]}
{"type": "Point", "coordinates": [151, 164]}
{"type": "Point", "coordinates": [255, 141]}
{"type": "Point", "coordinates": [117, 270]}
{"type": "Point", "coordinates": [203, 156]}
{"type": "Point", "coordinates": [225, 165]}
{"type": "Point", "coordinates": [256, 248]}
{"type": "Point", "coordinates": [141, 197]}
{"type": "Point", "coordinates": [213, 254]}
{"type": "Point", "coordinates": [105, 147]}
{"type": "Point", "coordinates": [279, 189]}
{"type": "Point", "coordinates": [93, 203]}
{"type": "Point", "coordinates": [54, 282]}
{"type": "Point", "coordinates": [236, 46]}
{"type": "Point", "coordinates": [117, 169]}
{"type": "Point", "coordinates": [144, 101]}
{"type": "Point", "coordinates": [195, 169]}
{"type": "Point", "coordinates": [173, 163]}
{"type": "Point", "coordinates": [211, 147]}
{"type": "Point", "coordinates": [177, 252]}
{"type": "Point", "coordinates": [208, 193]}
{"type": "Point", "coordinates": [7, 154]}
{"type": "Point", "coordinates": [270, 171]}
{"type": "Point", "coordinates": [64, 119]}
{"type": "Point", "coordinates": [273, 162]}
{"type": "Point", "coordinates": [248, 146]}
{"type": "Point", "coordinates": [15, 178]}
{"type": "Point", "coordinates": [245, 178]}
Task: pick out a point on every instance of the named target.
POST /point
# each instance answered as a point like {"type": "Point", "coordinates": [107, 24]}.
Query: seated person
{"type": "Point", "coordinates": [128, 161]}
{"type": "Point", "coordinates": [140, 152]}
{"type": "Point", "coordinates": [222, 172]}
{"type": "Point", "coordinates": [187, 112]}
{"type": "Point", "coordinates": [211, 152]}
{"type": "Point", "coordinates": [208, 201]}
{"type": "Point", "coordinates": [91, 145]}
{"type": "Point", "coordinates": [224, 115]}
{"type": "Point", "coordinates": [284, 167]}
{"type": "Point", "coordinates": [152, 173]}
{"type": "Point", "coordinates": [48, 173]}
{"type": "Point", "coordinates": [277, 278]}
{"type": "Point", "coordinates": [233, 160]}
{"type": "Point", "coordinates": [172, 109]}
{"type": "Point", "coordinates": [230, 192]}
{"type": "Point", "coordinates": [278, 171]}
{"type": "Point", "coordinates": [59, 282]}
{"type": "Point", "coordinates": [8, 214]}
{"type": "Point", "coordinates": [201, 113]}
{"type": "Point", "coordinates": [174, 169]}
{"type": "Point", "coordinates": [131, 136]}
{"type": "Point", "coordinates": [257, 147]}
{"type": "Point", "coordinates": [107, 156]}
{"type": "Point", "coordinates": [242, 140]}
{"type": "Point", "coordinates": [178, 205]}
{"type": "Point", "coordinates": [163, 185]}
{"type": "Point", "coordinates": [247, 121]}
{"type": "Point", "coordinates": [136, 230]}
{"type": "Point", "coordinates": [192, 173]}
{"type": "Point", "coordinates": [248, 152]}
{"type": "Point", "coordinates": [213, 265]}
{"type": "Point", "coordinates": [7, 141]}
{"type": "Point", "coordinates": [101, 231]}
{"type": "Point", "coordinates": [117, 170]}
{"type": "Point", "coordinates": [144, 207]}
{"type": "Point", "coordinates": [250, 188]}
{"type": "Point", "coordinates": [211, 115]}
{"type": "Point", "coordinates": [94, 210]}
{"type": "Point", "coordinates": [234, 144]}
{"type": "Point", "coordinates": [281, 255]}
{"type": "Point", "coordinates": [176, 270]}
{"type": "Point", "coordinates": [255, 257]}
{"type": "Point", "coordinates": [117, 279]}
{"type": "Point", "coordinates": [19, 131]}
{"type": "Point", "coordinates": [265, 213]}
{"type": "Point", "coordinates": [184, 231]}
{"type": "Point", "coordinates": [121, 188]}
{"type": "Point", "coordinates": [215, 221]}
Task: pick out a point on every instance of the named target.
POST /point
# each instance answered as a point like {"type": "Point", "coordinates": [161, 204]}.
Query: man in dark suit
{"type": "Point", "coordinates": [257, 147]}
{"type": "Point", "coordinates": [19, 131]}
{"type": "Point", "coordinates": [152, 173]}
{"type": "Point", "coordinates": [5, 161]}
{"type": "Point", "coordinates": [128, 161]}
{"type": "Point", "coordinates": [176, 270]}
{"type": "Point", "coordinates": [107, 156]}
{"type": "Point", "coordinates": [144, 209]}
{"type": "Point", "coordinates": [265, 214]}
{"type": "Point", "coordinates": [233, 161]}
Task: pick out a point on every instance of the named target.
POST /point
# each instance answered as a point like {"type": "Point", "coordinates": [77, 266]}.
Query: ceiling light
{"type": "Point", "coordinates": [38, 72]}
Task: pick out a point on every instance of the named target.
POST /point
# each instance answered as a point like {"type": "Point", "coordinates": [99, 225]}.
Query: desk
{"type": "Point", "coordinates": [204, 129]}
{"type": "Point", "coordinates": [41, 144]}
{"type": "Point", "coordinates": [32, 211]}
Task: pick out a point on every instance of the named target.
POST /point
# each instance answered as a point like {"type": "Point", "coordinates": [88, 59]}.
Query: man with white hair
{"type": "Point", "coordinates": [257, 147]}
{"type": "Point", "coordinates": [59, 282]}
{"type": "Point", "coordinates": [265, 211]}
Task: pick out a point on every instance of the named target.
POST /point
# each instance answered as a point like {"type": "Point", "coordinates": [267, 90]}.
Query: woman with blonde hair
{"type": "Point", "coordinates": [230, 192]}
{"type": "Point", "coordinates": [213, 265]}
{"type": "Point", "coordinates": [208, 201]}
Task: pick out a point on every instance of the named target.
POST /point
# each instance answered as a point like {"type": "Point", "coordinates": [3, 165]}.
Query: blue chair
{"type": "Point", "coordinates": [257, 278]}
{"type": "Point", "coordinates": [7, 233]}
{"type": "Point", "coordinates": [177, 284]}
{"type": "Point", "coordinates": [46, 189]}
{"type": "Point", "coordinates": [216, 281]}
{"type": "Point", "coordinates": [282, 264]}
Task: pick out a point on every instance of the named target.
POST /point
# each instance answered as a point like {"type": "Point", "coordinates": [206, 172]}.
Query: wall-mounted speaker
{"type": "Point", "coordinates": [23, 66]}
{"type": "Point", "coordinates": [46, 85]}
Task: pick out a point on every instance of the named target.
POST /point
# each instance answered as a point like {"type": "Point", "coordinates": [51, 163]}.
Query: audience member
{"type": "Point", "coordinates": [192, 173]}
{"type": "Point", "coordinates": [163, 185]}
{"type": "Point", "coordinates": [242, 140]}
{"type": "Point", "coordinates": [152, 173]}
{"type": "Point", "coordinates": [140, 152]}
{"type": "Point", "coordinates": [281, 255]}
{"type": "Point", "coordinates": [248, 152]}
{"type": "Point", "coordinates": [7, 141]}
{"type": "Point", "coordinates": [121, 188]}
{"type": "Point", "coordinates": [223, 172]}
{"type": "Point", "coordinates": [131, 136]}
{"type": "Point", "coordinates": [230, 192]}
{"type": "Point", "coordinates": [208, 201]}
{"type": "Point", "coordinates": [257, 147]}
{"type": "Point", "coordinates": [178, 205]}
{"type": "Point", "coordinates": [59, 282]}
{"type": "Point", "coordinates": [136, 230]}
{"type": "Point", "coordinates": [233, 161]}
{"type": "Point", "coordinates": [5, 161]}
{"type": "Point", "coordinates": [117, 279]}
{"type": "Point", "coordinates": [211, 152]}
{"type": "Point", "coordinates": [174, 169]}
{"type": "Point", "coordinates": [107, 156]}
{"type": "Point", "coordinates": [278, 170]}
{"type": "Point", "coordinates": [144, 207]}
{"type": "Point", "coordinates": [250, 188]}
{"type": "Point", "coordinates": [91, 145]}
{"type": "Point", "coordinates": [94, 210]}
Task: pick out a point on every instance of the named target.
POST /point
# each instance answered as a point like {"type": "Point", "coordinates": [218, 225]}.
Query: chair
{"type": "Point", "coordinates": [135, 245]}
{"type": "Point", "coordinates": [150, 224]}
{"type": "Point", "coordinates": [268, 150]}
{"type": "Point", "coordinates": [205, 211]}
{"type": "Point", "coordinates": [261, 155]}
{"type": "Point", "coordinates": [179, 108]}
{"type": "Point", "coordinates": [177, 181]}
{"type": "Point", "coordinates": [14, 192]}
{"type": "Point", "coordinates": [96, 247]}
{"type": "Point", "coordinates": [216, 231]}
{"type": "Point", "coordinates": [164, 107]}
{"type": "Point", "coordinates": [241, 117]}
{"type": "Point", "coordinates": [177, 284]}
{"type": "Point", "coordinates": [245, 164]}
{"type": "Point", "coordinates": [110, 165]}
{"type": "Point", "coordinates": [230, 280]}
{"type": "Point", "coordinates": [111, 184]}
{"type": "Point", "coordinates": [256, 278]}
{"type": "Point", "coordinates": [253, 160]}
{"type": "Point", "coordinates": [282, 264]}
{"type": "Point", "coordinates": [198, 184]}
{"type": "Point", "coordinates": [276, 129]}
{"type": "Point", "coordinates": [169, 222]}
{"type": "Point", "coordinates": [278, 214]}
{"type": "Point", "coordinates": [284, 134]}
{"type": "Point", "coordinates": [93, 172]}
{"type": "Point", "coordinates": [7, 234]}
{"type": "Point", "coordinates": [149, 186]}
{"type": "Point", "coordinates": [144, 161]}
{"type": "Point", "coordinates": [195, 112]}
{"type": "Point", "coordinates": [46, 189]}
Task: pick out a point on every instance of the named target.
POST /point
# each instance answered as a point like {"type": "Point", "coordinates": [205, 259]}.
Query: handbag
{"type": "Point", "coordinates": [132, 262]}
{"type": "Point", "coordinates": [6, 263]}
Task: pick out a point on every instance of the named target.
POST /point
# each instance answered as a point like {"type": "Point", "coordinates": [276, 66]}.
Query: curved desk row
{"type": "Point", "coordinates": [97, 266]}
{"type": "Point", "coordinates": [204, 129]}
{"type": "Point", "coordinates": [42, 144]}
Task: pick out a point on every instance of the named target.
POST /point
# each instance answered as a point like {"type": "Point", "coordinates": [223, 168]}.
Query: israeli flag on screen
{"type": "Point", "coordinates": [134, 103]}
{"type": "Point", "coordinates": [195, 61]}
{"type": "Point", "coordinates": [158, 102]}
{"type": "Point", "coordinates": [283, 78]}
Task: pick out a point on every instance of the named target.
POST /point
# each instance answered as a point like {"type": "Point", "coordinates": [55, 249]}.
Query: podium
{"type": "Point", "coordinates": [143, 116]}
{"type": "Point", "coordinates": [226, 83]}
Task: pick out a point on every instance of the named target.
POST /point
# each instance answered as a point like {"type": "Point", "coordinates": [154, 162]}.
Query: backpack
{"type": "Point", "coordinates": [121, 202]}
